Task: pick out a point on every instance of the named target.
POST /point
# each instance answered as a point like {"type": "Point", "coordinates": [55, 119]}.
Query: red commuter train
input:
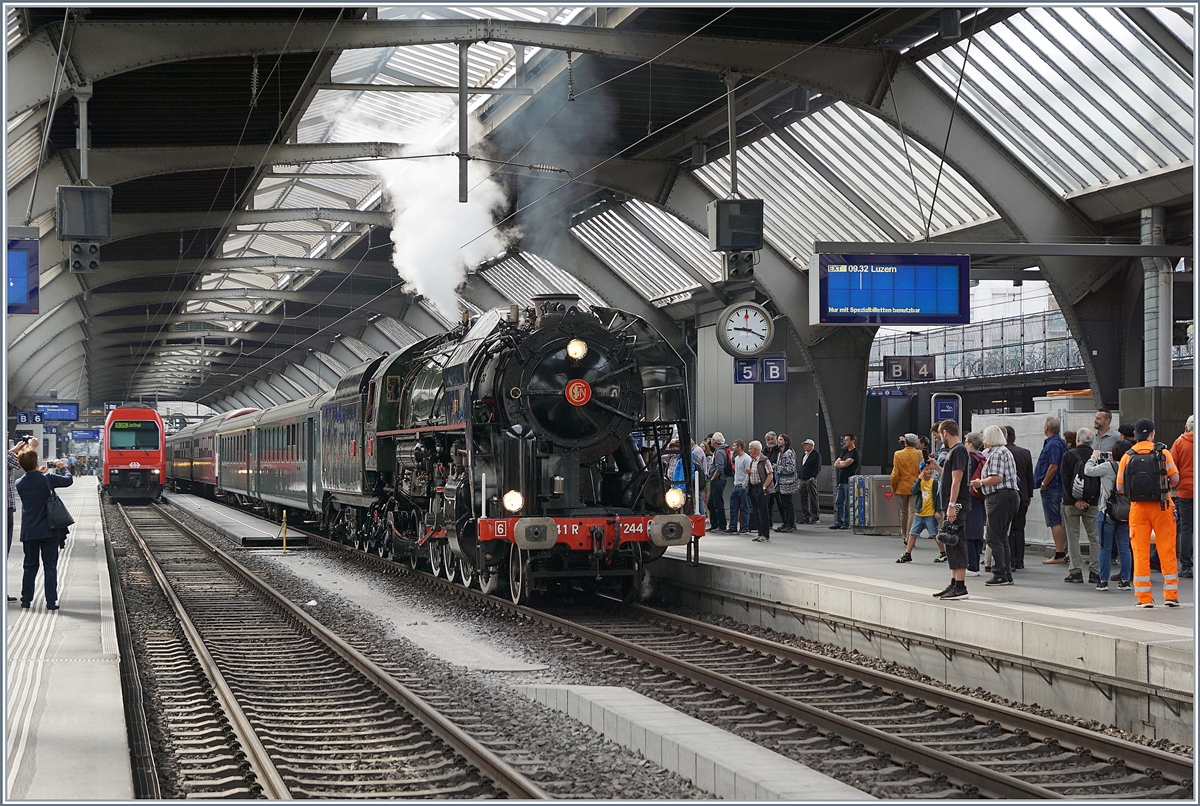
{"type": "Point", "coordinates": [133, 453]}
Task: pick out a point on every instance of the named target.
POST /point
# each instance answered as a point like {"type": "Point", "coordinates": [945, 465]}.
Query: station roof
{"type": "Point", "coordinates": [262, 204]}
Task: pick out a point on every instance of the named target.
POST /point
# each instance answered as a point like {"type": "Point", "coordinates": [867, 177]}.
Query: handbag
{"type": "Point", "coordinates": [56, 511]}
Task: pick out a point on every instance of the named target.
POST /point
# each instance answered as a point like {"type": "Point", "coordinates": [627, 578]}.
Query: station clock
{"type": "Point", "coordinates": [745, 329]}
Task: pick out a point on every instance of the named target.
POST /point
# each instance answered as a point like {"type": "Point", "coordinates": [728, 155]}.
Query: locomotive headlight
{"type": "Point", "coordinates": [154, 472]}
{"type": "Point", "coordinates": [675, 498]}
{"type": "Point", "coordinates": [513, 501]}
{"type": "Point", "coordinates": [577, 349]}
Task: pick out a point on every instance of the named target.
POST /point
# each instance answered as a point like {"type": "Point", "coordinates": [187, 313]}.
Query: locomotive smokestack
{"type": "Point", "coordinates": [551, 307]}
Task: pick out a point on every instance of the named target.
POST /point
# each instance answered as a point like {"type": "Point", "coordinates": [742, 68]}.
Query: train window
{"type": "Point", "coordinates": [371, 402]}
{"type": "Point", "coordinates": [133, 435]}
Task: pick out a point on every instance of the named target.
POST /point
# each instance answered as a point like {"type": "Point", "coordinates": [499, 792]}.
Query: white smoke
{"type": "Point", "coordinates": [430, 226]}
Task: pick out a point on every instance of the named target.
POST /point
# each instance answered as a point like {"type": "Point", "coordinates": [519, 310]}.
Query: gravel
{"type": "Point", "coordinates": [910, 673]}
{"type": "Point", "coordinates": [561, 755]}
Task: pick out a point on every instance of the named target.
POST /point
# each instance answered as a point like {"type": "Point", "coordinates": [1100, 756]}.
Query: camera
{"type": "Point", "coordinates": [1106, 456]}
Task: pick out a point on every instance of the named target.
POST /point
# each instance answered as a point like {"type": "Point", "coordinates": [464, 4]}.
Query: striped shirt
{"type": "Point", "coordinates": [12, 485]}
{"type": "Point", "coordinates": [1000, 463]}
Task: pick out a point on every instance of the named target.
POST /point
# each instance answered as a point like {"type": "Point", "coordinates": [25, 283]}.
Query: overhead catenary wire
{"type": "Point", "coordinates": [59, 68]}
{"type": "Point", "coordinates": [224, 178]}
{"type": "Point", "coordinates": [950, 125]}
{"type": "Point", "coordinates": [720, 98]}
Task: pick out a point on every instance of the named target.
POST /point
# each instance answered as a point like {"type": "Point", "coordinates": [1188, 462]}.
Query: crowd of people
{"type": "Point", "coordinates": [762, 480]}
{"type": "Point", "coordinates": [971, 495]}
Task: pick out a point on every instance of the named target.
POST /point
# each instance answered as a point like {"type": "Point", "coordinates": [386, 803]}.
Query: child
{"type": "Point", "coordinates": [925, 492]}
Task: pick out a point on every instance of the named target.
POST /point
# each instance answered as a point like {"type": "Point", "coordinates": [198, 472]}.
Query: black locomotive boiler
{"type": "Point", "coordinates": [531, 447]}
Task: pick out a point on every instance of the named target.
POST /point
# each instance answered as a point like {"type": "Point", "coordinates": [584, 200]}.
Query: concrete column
{"type": "Point", "coordinates": [1158, 311]}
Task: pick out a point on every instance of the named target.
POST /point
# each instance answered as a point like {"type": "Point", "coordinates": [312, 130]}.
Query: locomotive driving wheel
{"type": "Point", "coordinates": [466, 573]}
{"type": "Point", "coordinates": [449, 561]}
{"type": "Point", "coordinates": [518, 585]}
{"type": "Point", "coordinates": [435, 557]}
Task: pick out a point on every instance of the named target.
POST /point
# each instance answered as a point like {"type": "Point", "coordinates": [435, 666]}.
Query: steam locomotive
{"type": "Point", "coordinates": [541, 448]}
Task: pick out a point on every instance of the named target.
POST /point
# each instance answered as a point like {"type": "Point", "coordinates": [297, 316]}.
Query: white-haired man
{"type": "Point", "coordinates": [1081, 494]}
{"type": "Point", "coordinates": [720, 467]}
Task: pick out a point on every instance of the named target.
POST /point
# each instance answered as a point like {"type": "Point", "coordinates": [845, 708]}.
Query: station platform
{"type": "Point", "coordinates": [1066, 647]}
{"type": "Point", "coordinates": [65, 716]}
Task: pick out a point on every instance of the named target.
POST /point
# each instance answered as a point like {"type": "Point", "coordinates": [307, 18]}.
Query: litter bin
{"type": "Point", "coordinates": [872, 510]}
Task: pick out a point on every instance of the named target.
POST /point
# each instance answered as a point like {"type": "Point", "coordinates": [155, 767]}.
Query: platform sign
{"type": "Point", "coordinates": [87, 435]}
{"type": "Point", "coordinates": [946, 407]}
{"type": "Point", "coordinates": [29, 418]}
{"type": "Point", "coordinates": [58, 410]}
{"type": "Point", "coordinates": [747, 370]}
{"type": "Point", "coordinates": [897, 369]}
{"type": "Point", "coordinates": [50, 429]}
{"type": "Point", "coordinates": [889, 289]}
{"type": "Point", "coordinates": [774, 370]}
{"type": "Point", "coordinates": [887, 393]}
{"type": "Point", "coordinates": [924, 367]}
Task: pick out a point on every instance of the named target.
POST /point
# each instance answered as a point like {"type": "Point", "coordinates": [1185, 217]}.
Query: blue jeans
{"type": "Point", "coordinates": [739, 509]}
{"type": "Point", "coordinates": [842, 505]}
{"type": "Point", "coordinates": [927, 522]}
{"type": "Point", "coordinates": [1114, 531]}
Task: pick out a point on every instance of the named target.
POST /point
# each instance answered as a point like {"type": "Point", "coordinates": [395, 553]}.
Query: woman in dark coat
{"type": "Point", "coordinates": [37, 539]}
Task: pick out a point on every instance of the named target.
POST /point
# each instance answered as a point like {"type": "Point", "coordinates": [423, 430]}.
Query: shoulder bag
{"type": "Point", "coordinates": [57, 515]}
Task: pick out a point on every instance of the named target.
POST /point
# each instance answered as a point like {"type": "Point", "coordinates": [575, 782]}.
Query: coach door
{"type": "Point", "coordinates": [308, 460]}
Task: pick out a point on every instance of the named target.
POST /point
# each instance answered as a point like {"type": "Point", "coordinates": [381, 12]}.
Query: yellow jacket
{"type": "Point", "coordinates": [906, 466]}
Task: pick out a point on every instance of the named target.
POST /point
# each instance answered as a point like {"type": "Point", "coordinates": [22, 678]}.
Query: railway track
{"type": "Point", "coordinates": [302, 713]}
{"type": "Point", "coordinates": [914, 738]}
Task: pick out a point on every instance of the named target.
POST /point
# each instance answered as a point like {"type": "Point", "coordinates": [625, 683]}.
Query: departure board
{"type": "Point", "coordinates": [890, 290]}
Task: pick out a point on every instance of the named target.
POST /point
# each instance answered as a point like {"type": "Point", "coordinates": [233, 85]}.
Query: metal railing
{"type": "Point", "coordinates": [1019, 345]}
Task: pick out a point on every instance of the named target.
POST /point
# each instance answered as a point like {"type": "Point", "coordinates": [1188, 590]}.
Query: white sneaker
{"type": "Point", "coordinates": [972, 573]}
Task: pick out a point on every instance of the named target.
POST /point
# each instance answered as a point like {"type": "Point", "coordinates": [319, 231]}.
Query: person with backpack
{"type": "Point", "coordinates": [721, 468]}
{"type": "Point", "coordinates": [1147, 474]}
{"type": "Point", "coordinates": [40, 542]}
{"type": "Point", "coordinates": [975, 521]}
{"type": "Point", "coordinates": [1112, 523]}
{"type": "Point", "coordinates": [1081, 494]}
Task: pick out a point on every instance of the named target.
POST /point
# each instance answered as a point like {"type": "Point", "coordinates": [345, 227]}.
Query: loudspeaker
{"type": "Point", "coordinates": [83, 256]}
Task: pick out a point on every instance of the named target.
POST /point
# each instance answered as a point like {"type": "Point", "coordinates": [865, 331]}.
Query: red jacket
{"type": "Point", "coordinates": [1181, 451]}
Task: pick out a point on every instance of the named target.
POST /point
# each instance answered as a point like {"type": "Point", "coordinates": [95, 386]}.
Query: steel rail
{"type": "Point", "coordinates": [963, 773]}
{"type": "Point", "coordinates": [489, 763]}
{"type": "Point", "coordinates": [1038, 727]}
{"type": "Point", "coordinates": [268, 776]}
{"type": "Point", "coordinates": [960, 771]}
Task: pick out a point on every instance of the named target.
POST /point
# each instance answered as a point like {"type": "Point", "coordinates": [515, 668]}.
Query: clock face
{"type": "Point", "coordinates": [745, 329]}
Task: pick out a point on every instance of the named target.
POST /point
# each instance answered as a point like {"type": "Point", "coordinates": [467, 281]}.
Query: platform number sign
{"type": "Point", "coordinates": [897, 368]}
{"type": "Point", "coordinates": [29, 418]}
{"type": "Point", "coordinates": [924, 368]}
{"type": "Point", "coordinates": [774, 370]}
{"type": "Point", "coordinates": [747, 370]}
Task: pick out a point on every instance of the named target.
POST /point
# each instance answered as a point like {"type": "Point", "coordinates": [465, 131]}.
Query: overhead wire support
{"type": "Point", "coordinates": [463, 157]}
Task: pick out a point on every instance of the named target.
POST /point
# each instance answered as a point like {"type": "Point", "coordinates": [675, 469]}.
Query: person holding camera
{"type": "Point", "coordinates": [956, 504]}
{"type": "Point", "coordinates": [1112, 521]}
{"type": "Point", "coordinates": [40, 542]}
{"type": "Point", "coordinates": [21, 445]}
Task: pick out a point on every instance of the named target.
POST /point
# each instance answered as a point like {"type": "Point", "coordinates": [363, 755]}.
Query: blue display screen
{"type": "Point", "coordinates": [21, 271]}
{"type": "Point", "coordinates": [894, 290]}
{"type": "Point", "coordinates": [63, 412]}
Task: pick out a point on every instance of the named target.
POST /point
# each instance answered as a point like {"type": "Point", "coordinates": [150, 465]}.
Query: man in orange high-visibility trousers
{"type": "Point", "coordinates": [1151, 510]}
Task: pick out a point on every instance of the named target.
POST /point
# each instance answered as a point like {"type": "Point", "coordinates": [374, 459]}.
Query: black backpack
{"type": "Point", "coordinates": [1146, 474]}
{"type": "Point", "coordinates": [1084, 487]}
